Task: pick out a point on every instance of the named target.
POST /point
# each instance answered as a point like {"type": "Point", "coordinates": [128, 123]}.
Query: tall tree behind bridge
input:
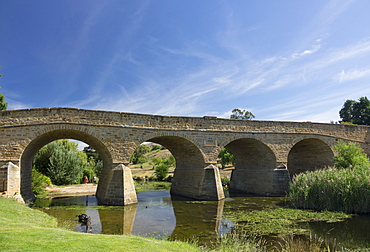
{"type": "Point", "coordinates": [241, 114]}
{"type": "Point", "coordinates": [3, 104]}
{"type": "Point", "coordinates": [356, 112]}
{"type": "Point", "coordinates": [61, 162]}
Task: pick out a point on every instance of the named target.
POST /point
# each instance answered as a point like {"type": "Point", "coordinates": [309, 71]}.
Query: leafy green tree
{"type": "Point", "coordinates": [61, 162]}
{"type": "Point", "coordinates": [241, 114]}
{"type": "Point", "coordinates": [94, 162]}
{"type": "Point", "coordinates": [89, 169]}
{"type": "Point", "coordinates": [226, 157]}
{"type": "Point", "coordinates": [350, 155]}
{"type": "Point", "coordinates": [138, 156]}
{"type": "Point", "coordinates": [3, 104]}
{"type": "Point", "coordinates": [356, 112]}
{"type": "Point", "coordinates": [161, 171]}
{"type": "Point", "coordinates": [162, 165]}
{"type": "Point", "coordinates": [157, 147]}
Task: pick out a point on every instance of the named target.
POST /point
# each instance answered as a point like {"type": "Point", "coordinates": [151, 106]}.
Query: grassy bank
{"type": "Point", "coordinates": [152, 185]}
{"type": "Point", "coordinates": [25, 229]}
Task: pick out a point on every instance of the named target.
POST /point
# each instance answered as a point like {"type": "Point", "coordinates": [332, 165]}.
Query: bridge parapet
{"type": "Point", "coordinates": [14, 118]}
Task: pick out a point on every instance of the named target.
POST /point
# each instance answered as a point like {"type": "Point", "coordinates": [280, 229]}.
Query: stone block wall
{"type": "Point", "coordinates": [3, 178]}
{"type": "Point", "coordinates": [94, 117]}
{"type": "Point", "coordinates": [117, 187]}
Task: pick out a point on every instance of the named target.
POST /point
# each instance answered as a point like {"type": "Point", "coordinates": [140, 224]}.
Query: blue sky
{"type": "Point", "coordinates": [282, 60]}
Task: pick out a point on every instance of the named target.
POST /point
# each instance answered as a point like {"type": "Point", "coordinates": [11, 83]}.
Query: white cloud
{"type": "Point", "coordinates": [314, 49]}
{"type": "Point", "coordinates": [351, 75]}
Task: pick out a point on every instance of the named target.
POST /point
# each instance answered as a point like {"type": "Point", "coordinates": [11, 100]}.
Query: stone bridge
{"type": "Point", "coordinates": [267, 153]}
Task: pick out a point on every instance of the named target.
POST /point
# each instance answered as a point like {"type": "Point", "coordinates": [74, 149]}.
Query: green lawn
{"type": "Point", "coordinates": [25, 229]}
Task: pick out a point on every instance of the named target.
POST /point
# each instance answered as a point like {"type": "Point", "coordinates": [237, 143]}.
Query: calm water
{"type": "Point", "coordinates": [160, 216]}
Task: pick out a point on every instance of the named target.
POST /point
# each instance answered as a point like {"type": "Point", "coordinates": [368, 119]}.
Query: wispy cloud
{"type": "Point", "coordinates": [235, 76]}
{"type": "Point", "coordinates": [314, 49]}
{"type": "Point", "coordinates": [352, 74]}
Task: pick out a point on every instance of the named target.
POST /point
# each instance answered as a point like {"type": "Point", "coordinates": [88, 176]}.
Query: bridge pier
{"type": "Point", "coordinates": [198, 183]}
{"type": "Point", "coordinates": [267, 182]}
{"type": "Point", "coordinates": [116, 186]}
{"type": "Point", "coordinates": [10, 182]}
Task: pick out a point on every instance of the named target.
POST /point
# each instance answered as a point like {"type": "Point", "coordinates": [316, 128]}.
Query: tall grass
{"type": "Point", "coordinates": [334, 189]}
{"type": "Point", "coordinates": [343, 188]}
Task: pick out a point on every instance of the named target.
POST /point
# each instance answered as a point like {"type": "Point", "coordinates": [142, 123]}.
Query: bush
{"type": "Point", "coordinates": [141, 160]}
{"type": "Point", "coordinates": [225, 181]}
{"type": "Point", "coordinates": [161, 171]}
{"type": "Point", "coordinates": [156, 147]}
{"type": "Point", "coordinates": [350, 155]}
{"type": "Point", "coordinates": [39, 182]}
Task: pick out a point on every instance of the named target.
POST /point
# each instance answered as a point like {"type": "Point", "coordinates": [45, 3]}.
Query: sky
{"type": "Point", "coordinates": [281, 60]}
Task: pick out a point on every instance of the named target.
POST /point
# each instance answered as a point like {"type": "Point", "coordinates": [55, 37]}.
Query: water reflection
{"type": "Point", "coordinates": [353, 232]}
{"type": "Point", "coordinates": [160, 216]}
{"type": "Point", "coordinates": [198, 219]}
{"type": "Point", "coordinates": [155, 215]}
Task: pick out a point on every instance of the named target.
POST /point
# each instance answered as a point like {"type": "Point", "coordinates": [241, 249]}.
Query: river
{"type": "Point", "coordinates": [162, 217]}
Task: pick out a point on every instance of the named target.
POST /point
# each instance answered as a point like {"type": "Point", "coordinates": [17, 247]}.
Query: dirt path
{"type": "Point", "coordinates": [73, 190]}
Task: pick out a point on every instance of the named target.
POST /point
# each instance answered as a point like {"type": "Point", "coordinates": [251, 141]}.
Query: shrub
{"type": "Point", "coordinates": [156, 147]}
{"type": "Point", "coordinates": [161, 171]}
{"type": "Point", "coordinates": [350, 155]}
{"type": "Point", "coordinates": [141, 160]}
{"type": "Point", "coordinates": [225, 181]}
{"type": "Point", "coordinates": [39, 182]}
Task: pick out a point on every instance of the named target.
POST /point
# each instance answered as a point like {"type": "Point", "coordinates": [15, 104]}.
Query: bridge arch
{"type": "Point", "coordinates": [254, 162]}
{"type": "Point", "coordinates": [308, 155]}
{"type": "Point", "coordinates": [186, 153]}
{"type": "Point", "coordinates": [44, 138]}
{"type": "Point", "coordinates": [191, 176]}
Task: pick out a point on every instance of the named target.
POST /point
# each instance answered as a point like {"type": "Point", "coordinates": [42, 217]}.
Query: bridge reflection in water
{"type": "Point", "coordinates": [155, 215]}
{"type": "Point", "coordinates": [158, 215]}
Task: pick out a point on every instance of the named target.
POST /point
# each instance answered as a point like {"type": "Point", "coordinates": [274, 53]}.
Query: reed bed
{"type": "Point", "coordinates": [334, 189]}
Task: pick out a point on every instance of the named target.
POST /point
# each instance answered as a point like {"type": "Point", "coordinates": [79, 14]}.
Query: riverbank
{"type": "Point", "coordinates": [25, 229]}
{"type": "Point", "coordinates": [90, 189]}
{"type": "Point", "coordinates": [72, 190]}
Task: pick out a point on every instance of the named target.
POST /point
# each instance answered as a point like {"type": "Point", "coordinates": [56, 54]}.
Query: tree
{"type": "Point", "coordinates": [356, 112]}
{"type": "Point", "coordinates": [225, 157]}
{"type": "Point", "coordinates": [3, 104]}
{"type": "Point", "coordinates": [61, 162]}
{"type": "Point", "coordinates": [162, 166]}
{"type": "Point", "coordinates": [138, 156]}
{"type": "Point", "coordinates": [241, 114]}
{"type": "Point", "coordinates": [350, 155]}
{"type": "Point", "coordinates": [94, 162]}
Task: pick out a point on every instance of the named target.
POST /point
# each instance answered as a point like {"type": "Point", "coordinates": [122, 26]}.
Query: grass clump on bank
{"type": "Point", "coordinates": [152, 185]}
{"type": "Point", "coordinates": [25, 229]}
{"type": "Point", "coordinates": [346, 187]}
